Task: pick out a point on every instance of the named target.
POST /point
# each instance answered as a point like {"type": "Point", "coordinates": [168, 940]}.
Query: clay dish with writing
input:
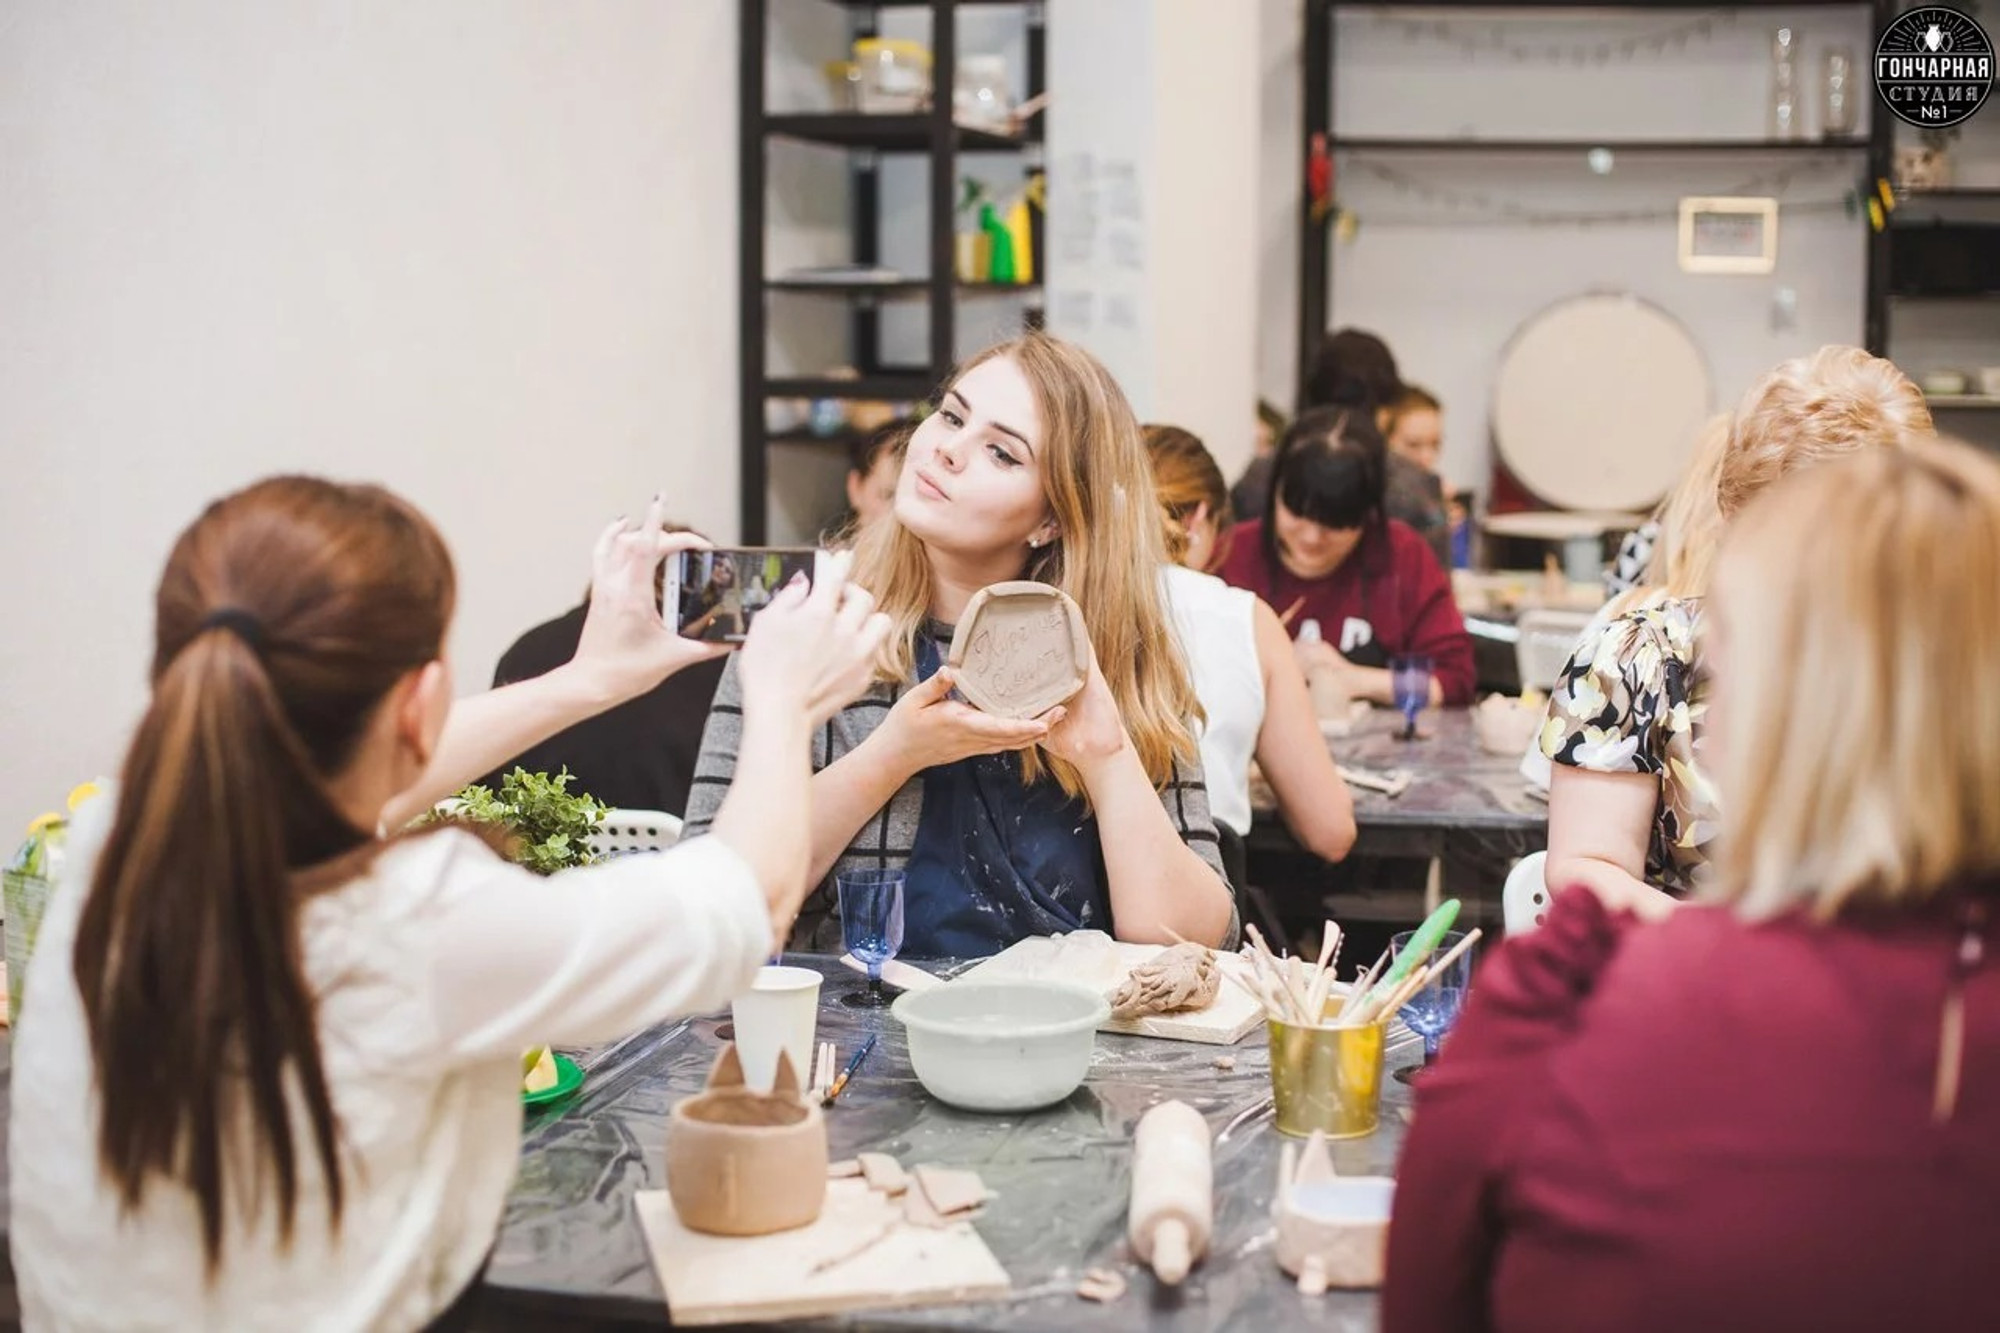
{"type": "Point", "coordinates": [744, 1163]}
{"type": "Point", "coordinates": [1020, 649]}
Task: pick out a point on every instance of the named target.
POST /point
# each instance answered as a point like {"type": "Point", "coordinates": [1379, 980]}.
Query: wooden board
{"type": "Point", "coordinates": [733, 1279]}
{"type": "Point", "coordinates": [1100, 962]}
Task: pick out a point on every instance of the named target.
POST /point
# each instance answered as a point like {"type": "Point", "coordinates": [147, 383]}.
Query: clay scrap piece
{"type": "Point", "coordinates": [1225, 1063]}
{"type": "Point", "coordinates": [842, 1169]}
{"type": "Point", "coordinates": [1102, 1285]}
{"type": "Point", "coordinates": [918, 1211]}
{"type": "Point", "coordinates": [885, 1174]}
{"type": "Point", "coordinates": [1187, 976]}
{"type": "Point", "coordinates": [1020, 649]}
{"type": "Point", "coordinates": [951, 1191]}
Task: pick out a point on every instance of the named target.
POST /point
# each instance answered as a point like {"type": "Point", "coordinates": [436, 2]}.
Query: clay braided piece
{"type": "Point", "coordinates": [1186, 976]}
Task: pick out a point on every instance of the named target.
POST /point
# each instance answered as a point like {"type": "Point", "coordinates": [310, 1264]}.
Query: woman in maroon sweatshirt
{"type": "Point", "coordinates": [1780, 1108]}
{"type": "Point", "coordinates": [1325, 552]}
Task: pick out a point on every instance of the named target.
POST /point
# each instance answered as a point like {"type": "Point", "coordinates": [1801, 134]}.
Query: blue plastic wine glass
{"type": "Point", "coordinates": [1410, 682]}
{"type": "Point", "coordinates": [871, 925]}
{"type": "Point", "coordinates": [1432, 1010]}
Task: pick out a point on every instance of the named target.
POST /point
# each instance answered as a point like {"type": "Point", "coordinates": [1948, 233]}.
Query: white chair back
{"type": "Point", "coordinates": [622, 831]}
{"type": "Point", "coordinates": [1547, 638]}
{"type": "Point", "coordinates": [1524, 900]}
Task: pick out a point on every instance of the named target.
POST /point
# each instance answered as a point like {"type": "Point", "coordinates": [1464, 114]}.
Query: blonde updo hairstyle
{"type": "Point", "coordinates": [1814, 408]}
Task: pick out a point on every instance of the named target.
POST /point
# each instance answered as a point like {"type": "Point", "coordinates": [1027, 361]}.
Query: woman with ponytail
{"type": "Point", "coordinates": [269, 1076]}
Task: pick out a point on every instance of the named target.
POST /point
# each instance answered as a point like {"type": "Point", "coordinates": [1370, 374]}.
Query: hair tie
{"type": "Point", "coordinates": [238, 622]}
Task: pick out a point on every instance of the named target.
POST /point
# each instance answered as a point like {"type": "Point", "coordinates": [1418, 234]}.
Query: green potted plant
{"type": "Point", "coordinates": [549, 829]}
{"type": "Point", "coordinates": [550, 826]}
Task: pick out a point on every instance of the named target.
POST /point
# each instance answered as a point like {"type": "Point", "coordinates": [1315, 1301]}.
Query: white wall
{"type": "Point", "coordinates": [1153, 218]}
{"type": "Point", "coordinates": [482, 250]}
{"type": "Point", "coordinates": [1204, 227]}
{"type": "Point", "coordinates": [1447, 286]}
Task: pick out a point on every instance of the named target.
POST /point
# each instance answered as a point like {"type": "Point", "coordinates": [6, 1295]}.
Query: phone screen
{"type": "Point", "coordinates": [715, 595]}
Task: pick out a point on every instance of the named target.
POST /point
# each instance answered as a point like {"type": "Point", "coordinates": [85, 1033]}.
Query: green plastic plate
{"type": "Point", "coordinates": [568, 1079]}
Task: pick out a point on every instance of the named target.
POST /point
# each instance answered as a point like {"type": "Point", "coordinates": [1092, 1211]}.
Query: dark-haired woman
{"type": "Point", "coordinates": [270, 1076]}
{"type": "Point", "coordinates": [1326, 552]}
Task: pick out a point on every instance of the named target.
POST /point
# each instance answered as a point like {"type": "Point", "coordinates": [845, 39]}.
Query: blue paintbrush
{"type": "Point", "coordinates": [853, 1063]}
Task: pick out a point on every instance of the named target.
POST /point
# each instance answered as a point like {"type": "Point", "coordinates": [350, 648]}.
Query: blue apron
{"type": "Point", "coordinates": [994, 861]}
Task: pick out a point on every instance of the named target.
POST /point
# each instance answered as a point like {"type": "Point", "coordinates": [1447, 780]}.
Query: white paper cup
{"type": "Point", "coordinates": [780, 1012]}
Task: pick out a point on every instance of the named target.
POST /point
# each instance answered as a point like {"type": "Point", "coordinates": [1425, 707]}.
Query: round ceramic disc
{"type": "Point", "coordinates": [1597, 403]}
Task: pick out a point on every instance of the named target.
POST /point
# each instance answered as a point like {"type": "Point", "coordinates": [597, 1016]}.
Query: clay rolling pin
{"type": "Point", "coordinates": [1173, 1204]}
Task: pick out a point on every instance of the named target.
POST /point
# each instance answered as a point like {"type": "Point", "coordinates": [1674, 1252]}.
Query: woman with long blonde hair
{"type": "Point", "coordinates": [1092, 816]}
{"type": "Point", "coordinates": [1779, 1107]}
{"type": "Point", "coordinates": [1631, 806]}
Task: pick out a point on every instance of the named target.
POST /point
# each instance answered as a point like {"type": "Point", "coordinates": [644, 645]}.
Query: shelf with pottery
{"type": "Point", "coordinates": [1649, 146]}
{"type": "Point", "coordinates": [899, 288]}
{"type": "Point", "coordinates": [1528, 8]}
{"type": "Point", "coordinates": [926, 4]}
{"type": "Point", "coordinates": [889, 132]}
{"type": "Point", "coordinates": [1947, 193]}
{"type": "Point", "coordinates": [964, 114]}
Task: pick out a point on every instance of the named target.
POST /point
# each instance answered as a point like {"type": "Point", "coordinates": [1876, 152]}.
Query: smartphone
{"type": "Point", "coordinates": [714, 595]}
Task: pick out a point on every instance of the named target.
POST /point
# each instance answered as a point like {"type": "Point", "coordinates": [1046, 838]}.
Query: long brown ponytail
{"type": "Point", "coordinates": [286, 614]}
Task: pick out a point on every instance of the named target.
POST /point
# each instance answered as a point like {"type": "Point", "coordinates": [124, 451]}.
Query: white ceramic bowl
{"type": "Point", "coordinates": [1001, 1045]}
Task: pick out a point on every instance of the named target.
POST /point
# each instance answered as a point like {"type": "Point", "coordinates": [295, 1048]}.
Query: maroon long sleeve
{"type": "Point", "coordinates": [1391, 593]}
{"type": "Point", "coordinates": [1705, 1124]}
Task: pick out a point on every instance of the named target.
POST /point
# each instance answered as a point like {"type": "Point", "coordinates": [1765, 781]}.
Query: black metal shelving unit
{"type": "Point", "coordinates": [1917, 211]}
{"type": "Point", "coordinates": [1318, 66]}
{"type": "Point", "coordinates": [865, 138]}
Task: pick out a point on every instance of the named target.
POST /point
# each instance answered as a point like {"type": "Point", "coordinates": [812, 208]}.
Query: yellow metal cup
{"type": "Point", "coordinates": [1327, 1079]}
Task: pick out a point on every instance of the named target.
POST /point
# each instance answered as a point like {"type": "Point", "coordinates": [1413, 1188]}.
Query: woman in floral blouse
{"type": "Point", "coordinates": [1630, 804]}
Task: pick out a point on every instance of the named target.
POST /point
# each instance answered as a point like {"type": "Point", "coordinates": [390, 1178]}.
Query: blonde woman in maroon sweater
{"type": "Point", "coordinates": [1777, 1107]}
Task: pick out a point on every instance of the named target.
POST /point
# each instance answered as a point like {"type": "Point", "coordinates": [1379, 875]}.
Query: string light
{"type": "Point", "coordinates": [1493, 41]}
{"type": "Point", "coordinates": [1474, 208]}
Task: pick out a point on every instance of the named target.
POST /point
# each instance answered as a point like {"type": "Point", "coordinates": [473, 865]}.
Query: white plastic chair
{"type": "Point", "coordinates": [1547, 638]}
{"type": "Point", "coordinates": [622, 831]}
{"type": "Point", "coordinates": [1524, 899]}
